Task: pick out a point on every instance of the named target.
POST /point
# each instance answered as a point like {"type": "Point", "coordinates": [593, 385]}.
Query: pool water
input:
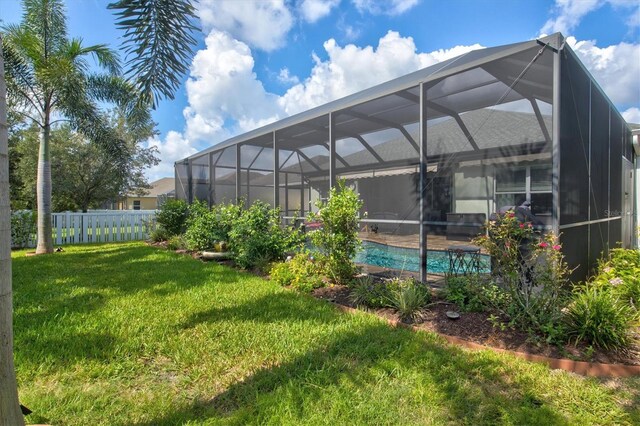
{"type": "Point", "coordinates": [408, 259]}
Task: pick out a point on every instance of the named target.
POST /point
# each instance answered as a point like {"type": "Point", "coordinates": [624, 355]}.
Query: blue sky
{"type": "Point", "coordinates": [260, 60]}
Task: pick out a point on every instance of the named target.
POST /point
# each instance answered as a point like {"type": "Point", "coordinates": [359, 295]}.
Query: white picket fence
{"type": "Point", "coordinates": [100, 227]}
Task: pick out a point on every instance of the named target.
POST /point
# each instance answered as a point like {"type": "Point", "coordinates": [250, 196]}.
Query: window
{"type": "Point", "coordinates": [136, 204]}
{"type": "Point", "coordinates": [530, 183]}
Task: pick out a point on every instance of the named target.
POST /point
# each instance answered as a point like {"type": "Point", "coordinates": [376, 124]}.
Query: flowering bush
{"type": "Point", "coordinates": [621, 273]}
{"type": "Point", "coordinates": [530, 269]}
{"type": "Point", "coordinates": [301, 272]}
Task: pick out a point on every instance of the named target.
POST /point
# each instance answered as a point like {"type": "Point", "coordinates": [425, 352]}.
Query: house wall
{"type": "Point", "coordinates": [146, 203]}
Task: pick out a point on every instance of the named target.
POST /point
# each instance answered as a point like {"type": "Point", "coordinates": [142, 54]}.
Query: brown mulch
{"type": "Point", "coordinates": [476, 327]}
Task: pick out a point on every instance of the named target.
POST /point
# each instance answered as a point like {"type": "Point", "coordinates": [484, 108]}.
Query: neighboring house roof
{"type": "Point", "coordinates": [159, 187]}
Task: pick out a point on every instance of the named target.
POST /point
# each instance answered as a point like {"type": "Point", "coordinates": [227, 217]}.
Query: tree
{"type": "Point", "coordinates": [10, 413]}
{"type": "Point", "coordinates": [47, 76]}
{"type": "Point", "coordinates": [171, 42]}
{"type": "Point", "coordinates": [83, 174]}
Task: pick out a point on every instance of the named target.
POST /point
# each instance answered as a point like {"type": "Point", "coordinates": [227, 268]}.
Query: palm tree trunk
{"type": "Point", "coordinates": [10, 413]}
{"type": "Point", "coordinates": [43, 190]}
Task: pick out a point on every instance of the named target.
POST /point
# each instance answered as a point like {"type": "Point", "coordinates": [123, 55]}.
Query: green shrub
{"type": "Point", "coordinates": [159, 234]}
{"type": "Point", "coordinates": [208, 227]}
{"type": "Point", "coordinates": [172, 216]}
{"type": "Point", "coordinates": [301, 272]}
{"type": "Point", "coordinates": [177, 242]}
{"type": "Point", "coordinates": [23, 227]}
{"type": "Point", "coordinates": [337, 238]}
{"type": "Point", "coordinates": [372, 293]}
{"type": "Point", "coordinates": [409, 299]}
{"type": "Point", "coordinates": [621, 272]}
{"type": "Point", "coordinates": [597, 315]}
{"type": "Point", "coordinates": [281, 273]}
{"type": "Point", "coordinates": [257, 237]}
{"type": "Point", "coordinates": [465, 292]}
{"type": "Point", "coordinates": [306, 272]}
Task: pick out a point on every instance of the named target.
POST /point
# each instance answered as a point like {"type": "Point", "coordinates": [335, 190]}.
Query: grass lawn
{"type": "Point", "coordinates": [129, 334]}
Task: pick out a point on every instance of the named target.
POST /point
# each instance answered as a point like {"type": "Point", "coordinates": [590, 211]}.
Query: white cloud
{"type": "Point", "coordinates": [314, 10]}
{"type": "Point", "coordinates": [285, 77]}
{"type": "Point", "coordinates": [260, 24]}
{"type": "Point", "coordinates": [222, 85]}
{"type": "Point", "coordinates": [632, 115]}
{"type": "Point", "coordinates": [570, 13]}
{"type": "Point", "coordinates": [387, 7]}
{"type": "Point", "coordinates": [616, 68]}
{"type": "Point", "coordinates": [174, 147]}
{"type": "Point", "coordinates": [350, 69]}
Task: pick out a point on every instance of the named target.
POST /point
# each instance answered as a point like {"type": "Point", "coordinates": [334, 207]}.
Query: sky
{"type": "Point", "coordinates": [258, 61]}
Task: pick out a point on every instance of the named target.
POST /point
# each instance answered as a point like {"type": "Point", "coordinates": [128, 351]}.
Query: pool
{"type": "Point", "coordinates": [408, 259]}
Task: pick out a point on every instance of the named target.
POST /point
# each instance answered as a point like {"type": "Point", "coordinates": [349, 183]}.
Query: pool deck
{"type": "Point", "coordinates": [434, 242]}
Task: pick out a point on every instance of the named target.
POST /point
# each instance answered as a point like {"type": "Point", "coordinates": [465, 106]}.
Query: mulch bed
{"type": "Point", "coordinates": [476, 327]}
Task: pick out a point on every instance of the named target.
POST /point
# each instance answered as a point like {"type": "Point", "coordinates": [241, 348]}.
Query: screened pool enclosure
{"type": "Point", "coordinates": [434, 153]}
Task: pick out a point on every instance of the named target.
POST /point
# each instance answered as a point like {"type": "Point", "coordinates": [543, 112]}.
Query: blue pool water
{"type": "Point", "coordinates": [408, 259]}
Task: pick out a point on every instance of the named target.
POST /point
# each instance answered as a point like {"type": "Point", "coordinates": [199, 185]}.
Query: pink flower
{"type": "Point", "coordinates": [530, 225]}
{"type": "Point", "coordinates": [510, 214]}
{"type": "Point", "coordinates": [557, 247]}
{"type": "Point", "coordinates": [543, 245]}
{"type": "Point", "coordinates": [616, 281]}
{"type": "Point", "coordinates": [522, 226]}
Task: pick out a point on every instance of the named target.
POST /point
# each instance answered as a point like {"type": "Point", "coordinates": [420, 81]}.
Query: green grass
{"type": "Point", "coordinates": [125, 334]}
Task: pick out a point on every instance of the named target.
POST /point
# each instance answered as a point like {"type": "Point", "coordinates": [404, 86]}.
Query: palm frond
{"type": "Point", "coordinates": [115, 89]}
{"type": "Point", "coordinates": [158, 43]}
{"type": "Point", "coordinates": [46, 19]}
{"type": "Point", "coordinates": [106, 57]}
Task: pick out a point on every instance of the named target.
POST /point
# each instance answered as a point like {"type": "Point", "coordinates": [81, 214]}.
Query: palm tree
{"type": "Point", "coordinates": [10, 413]}
{"type": "Point", "coordinates": [158, 34]}
{"type": "Point", "coordinates": [47, 76]}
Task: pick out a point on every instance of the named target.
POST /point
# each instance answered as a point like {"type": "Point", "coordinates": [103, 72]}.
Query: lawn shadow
{"type": "Point", "coordinates": [274, 307]}
{"type": "Point", "coordinates": [474, 387]}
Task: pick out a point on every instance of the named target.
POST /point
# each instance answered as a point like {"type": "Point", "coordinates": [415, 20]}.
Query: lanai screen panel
{"type": "Point", "coordinates": [200, 178]}
{"type": "Point", "coordinates": [378, 154]}
{"type": "Point", "coordinates": [256, 170]}
{"type": "Point", "coordinates": [303, 153]}
{"type": "Point", "coordinates": [593, 156]}
{"type": "Point", "coordinates": [488, 146]}
{"type": "Point", "coordinates": [182, 180]}
{"type": "Point", "coordinates": [223, 176]}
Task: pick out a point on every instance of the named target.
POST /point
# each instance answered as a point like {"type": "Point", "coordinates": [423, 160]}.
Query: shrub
{"type": "Point", "coordinates": [281, 273]}
{"type": "Point", "coordinates": [597, 316]}
{"type": "Point", "coordinates": [177, 242]}
{"type": "Point", "coordinates": [466, 292]}
{"type": "Point", "coordinates": [306, 272]}
{"type": "Point", "coordinates": [409, 299]}
{"type": "Point", "coordinates": [621, 272]}
{"type": "Point", "coordinates": [530, 269]}
{"type": "Point", "coordinates": [337, 238]}
{"type": "Point", "coordinates": [257, 237]}
{"type": "Point", "coordinates": [159, 234]}
{"type": "Point", "coordinates": [172, 216]}
{"type": "Point", "coordinates": [302, 272]}
{"type": "Point", "coordinates": [208, 227]}
{"type": "Point", "coordinates": [366, 291]}
{"type": "Point", "coordinates": [23, 226]}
